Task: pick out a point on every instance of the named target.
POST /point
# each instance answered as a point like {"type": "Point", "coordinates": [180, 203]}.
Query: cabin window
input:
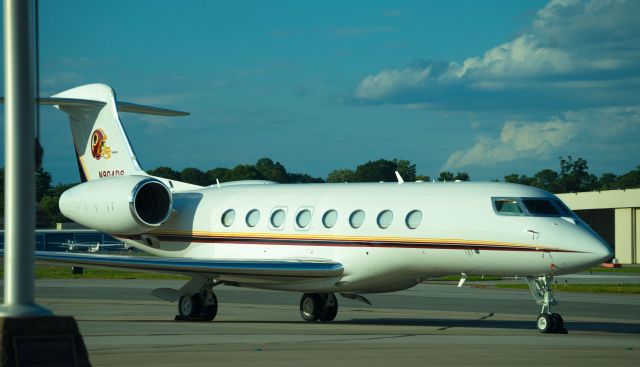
{"type": "Point", "coordinates": [277, 218]}
{"type": "Point", "coordinates": [228, 217]}
{"type": "Point", "coordinates": [330, 218]}
{"type": "Point", "coordinates": [413, 219]}
{"type": "Point", "coordinates": [252, 218]}
{"type": "Point", "coordinates": [508, 206]}
{"type": "Point", "coordinates": [356, 218]}
{"type": "Point", "coordinates": [384, 219]}
{"type": "Point", "coordinates": [541, 207]}
{"type": "Point", "coordinates": [303, 218]}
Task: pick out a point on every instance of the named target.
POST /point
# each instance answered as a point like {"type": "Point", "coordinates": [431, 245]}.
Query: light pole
{"type": "Point", "coordinates": [19, 283]}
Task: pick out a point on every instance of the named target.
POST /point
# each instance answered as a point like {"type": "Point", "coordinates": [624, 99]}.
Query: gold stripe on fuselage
{"type": "Point", "coordinates": [390, 240]}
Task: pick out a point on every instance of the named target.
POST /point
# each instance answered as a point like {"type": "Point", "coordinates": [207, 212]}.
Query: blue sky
{"type": "Point", "coordinates": [486, 87]}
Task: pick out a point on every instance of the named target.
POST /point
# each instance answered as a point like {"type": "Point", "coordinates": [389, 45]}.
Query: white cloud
{"type": "Point", "coordinates": [517, 140]}
{"type": "Point", "coordinates": [577, 54]}
{"type": "Point", "coordinates": [388, 82]}
{"type": "Point", "coordinates": [588, 133]}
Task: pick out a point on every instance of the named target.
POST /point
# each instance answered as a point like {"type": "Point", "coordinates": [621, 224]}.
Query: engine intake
{"type": "Point", "coordinates": [151, 202]}
{"type": "Point", "coordinates": [118, 205]}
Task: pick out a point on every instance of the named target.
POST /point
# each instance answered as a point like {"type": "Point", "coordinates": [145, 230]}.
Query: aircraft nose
{"type": "Point", "coordinates": [600, 249]}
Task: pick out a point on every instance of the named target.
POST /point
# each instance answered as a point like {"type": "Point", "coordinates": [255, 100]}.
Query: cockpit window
{"type": "Point", "coordinates": [508, 206]}
{"type": "Point", "coordinates": [541, 207]}
{"type": "Point", "coordinates": [566, 212]}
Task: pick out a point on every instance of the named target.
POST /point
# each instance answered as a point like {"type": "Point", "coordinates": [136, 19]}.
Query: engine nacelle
{"type": "Point", "coordinates": [118, 205]}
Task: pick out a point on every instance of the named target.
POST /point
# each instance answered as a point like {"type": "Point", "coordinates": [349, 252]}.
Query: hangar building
{"type": "Point", "coordinates": [614, 214]}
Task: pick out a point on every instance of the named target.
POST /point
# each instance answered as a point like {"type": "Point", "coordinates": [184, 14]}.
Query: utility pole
{"type": "Point", "coordinates": [30, 335]}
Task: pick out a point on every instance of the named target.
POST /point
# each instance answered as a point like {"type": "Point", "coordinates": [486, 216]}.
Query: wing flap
{"type": "Point", "coordinates": [272, 268]}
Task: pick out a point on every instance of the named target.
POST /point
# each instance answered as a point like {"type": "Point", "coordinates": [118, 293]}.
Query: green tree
{"type": "Point", "coordinates": [518, 179]}
{"type": "Point", "coordinates": [462, 176]}
{"type": "Point", "coordinates": [406, 169]}
{"type": "Point", "coordinates": [574, 176]}
{"type": "Point", "coordinates": [546, 179]}
{"type": "Point", "coordinates": [194, 176]}
{"type": "Point", "coordinates": [608, 181]}
{"type": "Point", "coordinates": [165, 172]}
{"type": "Point", "coordinates": [629, 180]}
{"type": "Point", "coordinates": [341, 176]}
{"type": "Point", "coordinates": [302, 178]}
{"type": "Point", "coordinates": [272, 171]}
{"type": "Point", "coordinates": [43, 183]}
{"type": "Point", "coordinates": [447, 176]}
{"type": "Point", "coordinates": [243, 172]}
{"type": "Point", "coordinates": [217, 174]}
{"type": "Point", "coordinates": [375, 171]}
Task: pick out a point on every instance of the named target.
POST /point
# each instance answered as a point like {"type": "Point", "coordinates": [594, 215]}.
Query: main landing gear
{"type": "Point", "coordinates": [318, 307]}
{"type": "Point", "coordinates": [200, 306]}
{"type": "Point", "coordinates": [546, 322]}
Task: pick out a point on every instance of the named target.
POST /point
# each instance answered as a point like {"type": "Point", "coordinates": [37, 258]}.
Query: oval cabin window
{"type": "Point", "coordinates": [385, 218]}
{"type": "Point", "coordinates": [356, 218]}
{"type": "Point", "coordinates": [414, 218]}
{"type": "Point", "coordinates": [228, 217]}
{"type": "Point", "coordinates": [277, 218]}
{"type": "Point", "coordinates": [252, 218]}
{"type": "Point", "coordinates": [330, 218]}
{"type": "Point", "coordinates": [303, 218]}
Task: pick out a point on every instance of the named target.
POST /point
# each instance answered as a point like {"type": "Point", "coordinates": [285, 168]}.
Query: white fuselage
{"type": "Point", "coordinates": [458, 231]}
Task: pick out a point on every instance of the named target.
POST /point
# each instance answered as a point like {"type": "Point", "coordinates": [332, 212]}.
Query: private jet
{"type": "Point", "coordinates": [321, 240]}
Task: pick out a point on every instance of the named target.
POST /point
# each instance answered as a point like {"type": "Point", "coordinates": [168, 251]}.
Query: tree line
{"type": "Point", "coordinates": [573, 176]}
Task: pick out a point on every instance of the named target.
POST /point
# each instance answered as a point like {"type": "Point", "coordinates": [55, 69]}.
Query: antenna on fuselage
{"type": "Point", "coordinates": [400, 180]}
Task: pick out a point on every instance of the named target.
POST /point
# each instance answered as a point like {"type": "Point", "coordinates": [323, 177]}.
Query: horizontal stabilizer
{"type": "Point", "coordinates": [287, 268]}
{"type": "Point", "coordinates": [122, 106]}
{"type": "Point", "coordinates": [148, 110]}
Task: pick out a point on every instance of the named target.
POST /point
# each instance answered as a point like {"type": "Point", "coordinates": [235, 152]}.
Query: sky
{"type": "Point", "coordinates": [486, 87]}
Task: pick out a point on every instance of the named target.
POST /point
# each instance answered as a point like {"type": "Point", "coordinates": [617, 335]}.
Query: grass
{"type": "Point", "coordinates": [64, 272]}
{"type": "Point", "coordinates": [595, 288]}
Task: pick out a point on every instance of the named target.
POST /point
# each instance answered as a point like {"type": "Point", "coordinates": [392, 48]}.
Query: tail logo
{"type": "Point", "coordinates": [99, 148]}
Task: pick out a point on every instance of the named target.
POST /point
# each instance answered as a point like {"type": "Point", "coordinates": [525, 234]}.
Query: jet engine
{"type": "Point", "coordinates": [119, 205]}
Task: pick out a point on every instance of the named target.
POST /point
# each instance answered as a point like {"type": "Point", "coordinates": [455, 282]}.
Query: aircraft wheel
{"type": "Point", "coordinates": [545, 323]}
{"type": "Point", "coordinates": [189, 307]}
{"type": "Point", "coordinates": [311, 307]}
{"type": "Point", "coordinates": [558, 322]}
{"type": "Point", "coordinates": [210, 311]}
{"type": "Point", "coordinates": [331, 310]}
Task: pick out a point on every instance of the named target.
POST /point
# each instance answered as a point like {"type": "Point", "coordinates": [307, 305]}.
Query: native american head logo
{"type": "Point", "coordinates": [99, 148]}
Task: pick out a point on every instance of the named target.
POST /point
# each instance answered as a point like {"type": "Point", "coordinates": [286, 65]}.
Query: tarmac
{"type": "Point", "coordinates": [431, 324]}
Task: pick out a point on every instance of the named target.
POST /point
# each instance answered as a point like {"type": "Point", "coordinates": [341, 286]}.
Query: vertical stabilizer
{"type": "Point", "coordinates": [101, 144]}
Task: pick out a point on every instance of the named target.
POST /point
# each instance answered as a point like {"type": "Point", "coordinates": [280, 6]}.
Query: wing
{"type": "Point", "coordinates": [260, 271]}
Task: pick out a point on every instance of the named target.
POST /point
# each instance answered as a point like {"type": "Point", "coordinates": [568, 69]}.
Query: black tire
{"type": "Point", "coordinates": [190, 307]}
{"type": "Point", "coordinates": [209, 312]}
{"type": "Point", "coordinates": [558, 321]}
{"type": "Point", "coordinates": [329, 313]}
{"type": "Point", "coordinates": [545, 323]}
{"type": "Point", "coordinates": [310, 307]}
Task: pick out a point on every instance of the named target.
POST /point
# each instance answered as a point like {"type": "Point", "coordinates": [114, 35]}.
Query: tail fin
{"type": "Point", "coordinates": [101, 144]}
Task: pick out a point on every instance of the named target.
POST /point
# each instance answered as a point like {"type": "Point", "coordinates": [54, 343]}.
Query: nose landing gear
{"type": "Point", "coordinates": [546, 322]}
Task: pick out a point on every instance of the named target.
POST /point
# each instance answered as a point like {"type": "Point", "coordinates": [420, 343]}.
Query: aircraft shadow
{"type": "Point", "coordinates": [487, 323]}
{"type": "Point", "coordinates": [442, 324]}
